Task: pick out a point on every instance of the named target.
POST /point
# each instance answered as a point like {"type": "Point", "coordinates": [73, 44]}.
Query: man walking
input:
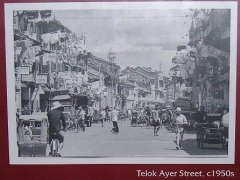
{"type": "Point", "coordinates": [179, 120]}
{"type": "Point", "coordinates": [169, 117]}
{"type": "Point", "coordinates": [114, 117]}
{"type": "Point", "coordinates": [156, 123]}
{"type": "Point", "coordinates": [103, 116]}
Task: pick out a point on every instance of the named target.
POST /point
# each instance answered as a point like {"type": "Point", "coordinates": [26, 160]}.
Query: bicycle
{"type": "Point", "coordinates": [80, 125]}
{"type": "Point", "coordinates": [54, 146]}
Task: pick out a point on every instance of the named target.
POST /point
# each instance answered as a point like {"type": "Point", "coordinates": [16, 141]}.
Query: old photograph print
{"type": "Point", "coordinates": [121, 82]}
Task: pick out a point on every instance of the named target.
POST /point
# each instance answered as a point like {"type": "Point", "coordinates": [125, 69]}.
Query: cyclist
{"type": "Point", "coordinates": [81, 118]}
{"type": "Point", "coordinates": [114, 117]}
{"type": "Point", "coordinates": [56, 120]}
{"type": "Point", "coordinates": [201, 119]}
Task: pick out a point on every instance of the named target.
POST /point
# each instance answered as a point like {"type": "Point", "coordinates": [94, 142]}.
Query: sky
{"type": "Point", "coordinates": [137, 37]}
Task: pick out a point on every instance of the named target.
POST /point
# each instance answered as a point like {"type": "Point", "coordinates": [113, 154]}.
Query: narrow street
{"type": "Point", "coordinates": [165, 64]}
{"type": "Point", "coordinates": [98, 141]}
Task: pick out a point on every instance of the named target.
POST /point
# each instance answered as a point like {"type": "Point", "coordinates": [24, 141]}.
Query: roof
{"type": "Point", "coordinates": [43, 51]}
{"type": "Point", "coordinates": [137, 72]}
{"type": "Point", "coordinates": [105, 61]}
{"type": "Point", "coordinates": [127, 83]}
{"type": "Point", "coordinates": [61, 97]}
{"type": "Point", "coordinates": [36, 116]}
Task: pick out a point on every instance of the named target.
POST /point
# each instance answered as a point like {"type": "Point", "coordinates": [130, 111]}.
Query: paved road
{"type": "Point", "coordinates": [131, 141]}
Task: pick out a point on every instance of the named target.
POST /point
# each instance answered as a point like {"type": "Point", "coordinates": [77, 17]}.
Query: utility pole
{"type": "Point", "coordinates": [111, 57]}
{"type": "Point", "coordinates": [174, 85]}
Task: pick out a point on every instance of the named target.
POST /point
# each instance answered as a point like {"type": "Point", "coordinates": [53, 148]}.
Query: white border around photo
{"type": "Point", "coordinates": [13, 153]}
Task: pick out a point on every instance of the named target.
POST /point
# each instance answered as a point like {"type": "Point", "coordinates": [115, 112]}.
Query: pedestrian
{"type": "Point", "coordinates": [179, 120]}
{"type": "Point", "coordinates": [169, 116]}
{"type": "Point", "coordinates": [18, 120]}
{"type": "Point", "coordinates": [107, 109]}
{"type": "Point", "coordinates": [129, 111]}
{"type": "Point", "coordinates": [201, 119]}
{"type": "Point", "coordinates": [90, 114]}
{"type": "Point", "coordinates": [114, 117]}
{"type": "Point", "coordinates": [103, 116]}
{"type": "Point", "coordinates": [201, 115]}
{"type": "Point", "coordinates": [225, 124]}
{"type": "Point", "coordinates": [148, 114]}
{"type": "Point", "coordinates": [156, 123]}
{"type": "Point", "coordinates": [160, 117]}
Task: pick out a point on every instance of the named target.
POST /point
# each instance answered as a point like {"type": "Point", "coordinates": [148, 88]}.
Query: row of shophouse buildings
{"type": "Point", "coordinates": [52, 64]}
{"type": "Point", "coordinates": [201, 69]}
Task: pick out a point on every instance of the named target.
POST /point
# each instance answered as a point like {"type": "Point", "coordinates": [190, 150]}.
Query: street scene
{"type": "Point", "coordinates": [122, 83]}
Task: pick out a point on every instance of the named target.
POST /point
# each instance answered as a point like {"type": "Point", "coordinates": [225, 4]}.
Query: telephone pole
{"type": "Point", "coordinates": [111, 57]}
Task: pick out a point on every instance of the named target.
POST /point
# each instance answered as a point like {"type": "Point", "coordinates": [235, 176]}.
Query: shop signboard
{"type": "Point", "coordinates": [24, 69]}
{"type": "Point", "coordinates": [27, 77]}
{"type": "Point", "coordinates": [18, 83]}
{"type": "Point", "coordinates": [41, 78]}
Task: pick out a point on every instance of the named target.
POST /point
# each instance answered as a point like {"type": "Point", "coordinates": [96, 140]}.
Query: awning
{"type": "Point", "coordinates": [61, 97]}
{"type": "Point", "coordinates": [46, 89]}
{"type": "Point", "coordinates": [42, 52]}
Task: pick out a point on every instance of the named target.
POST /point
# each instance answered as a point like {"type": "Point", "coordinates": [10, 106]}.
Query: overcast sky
{"type": "Point", "coordinates": [138, 37]}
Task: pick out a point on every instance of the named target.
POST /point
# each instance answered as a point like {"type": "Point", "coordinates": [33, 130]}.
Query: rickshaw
{"type": "Point", "coordinates": [138, 118]}
{"type": "Point", "coordinates": [208, 133]}
{"type": "Point", "coordinates": [32, 132]}
{"type": "Point", "coordinates": [134, 118]}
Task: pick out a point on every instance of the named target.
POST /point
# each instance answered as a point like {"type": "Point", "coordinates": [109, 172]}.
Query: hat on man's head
{"type": "Point", "coordinates": [178, 109]}
{"type": "Point", "coordinates": [56, 105]}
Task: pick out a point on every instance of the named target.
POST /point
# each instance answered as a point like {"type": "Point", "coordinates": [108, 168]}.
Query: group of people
{"type": "Point", "coordinates": [178, 120]}
{"type": "Point", "coordinates": [56, 120]}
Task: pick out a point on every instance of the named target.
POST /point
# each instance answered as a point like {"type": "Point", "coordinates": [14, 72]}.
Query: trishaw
{"type": "Point", "coordinates": [32, 131]}
{"type": "Point", "coordinates": [138, 119]}
{"type": "Point", "coordinates": [134, 118]}
{"type": "Point", "coordinates": [210, 132]}
{"type": "Point", "coordinates": [210, 135]}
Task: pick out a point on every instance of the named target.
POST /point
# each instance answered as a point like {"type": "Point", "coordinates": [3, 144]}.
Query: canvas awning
{"type": "Point", "coordinates": [61, 97]}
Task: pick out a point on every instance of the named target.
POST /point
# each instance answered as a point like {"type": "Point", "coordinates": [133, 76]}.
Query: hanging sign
{"type": "Point", "coordinates": [24, 69]}
{"type": "Point", "coordinates": [41, 78]}
{"type": "Point", "coordinates": [27, 77]}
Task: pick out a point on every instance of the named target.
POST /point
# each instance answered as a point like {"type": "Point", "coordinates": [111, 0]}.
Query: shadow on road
{"type": "Point", "coordinates": [190, 146]}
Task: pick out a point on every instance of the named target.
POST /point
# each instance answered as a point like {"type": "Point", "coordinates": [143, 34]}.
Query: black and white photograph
{"type": "Point", "coordinates": [123, 82]}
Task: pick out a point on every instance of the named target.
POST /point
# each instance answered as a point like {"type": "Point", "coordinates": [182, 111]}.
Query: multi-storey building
{"type": "Point", "coordinates": [204, 64]}
{"type": "Point", "coordinates": [148, 86]}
